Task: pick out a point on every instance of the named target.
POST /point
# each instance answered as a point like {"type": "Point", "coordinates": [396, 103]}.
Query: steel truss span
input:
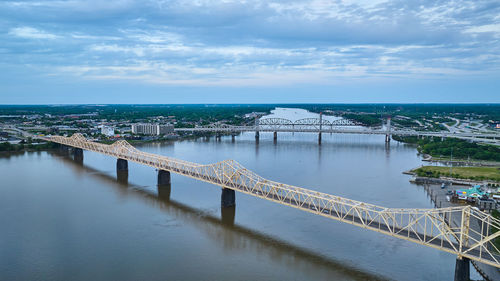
{"type": "Point", "coordinates": [462, 231]}
{"type": "Point", "coordinates": [339, 126]}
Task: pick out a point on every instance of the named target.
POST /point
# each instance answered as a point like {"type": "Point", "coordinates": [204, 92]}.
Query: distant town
{"type": "Point", "coordinates": [157, 122]}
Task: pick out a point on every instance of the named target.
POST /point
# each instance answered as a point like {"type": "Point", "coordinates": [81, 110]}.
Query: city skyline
{"type": "Point", "coordinates": [72, 52]}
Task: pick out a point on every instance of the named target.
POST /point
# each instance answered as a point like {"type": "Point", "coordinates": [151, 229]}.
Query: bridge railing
{"type": "Point", "coordinates": [458, 230]}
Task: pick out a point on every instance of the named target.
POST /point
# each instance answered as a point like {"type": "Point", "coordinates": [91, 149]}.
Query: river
{"type": "Point", "coordinates": [67, 220]}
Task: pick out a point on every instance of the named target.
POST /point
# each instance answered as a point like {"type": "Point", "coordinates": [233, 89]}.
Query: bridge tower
{"type": "Point", "coordinates": [388, 130]}
{"type": "Point", "coordinates": [257, 135]}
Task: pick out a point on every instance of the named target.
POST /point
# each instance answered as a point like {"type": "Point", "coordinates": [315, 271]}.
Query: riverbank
{"type": "Point", "coordinates": [8, 147]}
{"type": "Point", "coordinates": [460, 162]}
{"type": "Point", "coordinates": [450, 148]}
{"type": "Point", "coordinates": [457, 175]}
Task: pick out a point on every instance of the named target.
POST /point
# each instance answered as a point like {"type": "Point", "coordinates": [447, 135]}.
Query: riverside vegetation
{"type": "Point", "coordinates": [456, 148]}
{"type": "Point", "coordinates": [470, 173]}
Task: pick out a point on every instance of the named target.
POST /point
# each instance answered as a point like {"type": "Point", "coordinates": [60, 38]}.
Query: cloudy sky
{"type": "Point", "coordinates": [207, 51]}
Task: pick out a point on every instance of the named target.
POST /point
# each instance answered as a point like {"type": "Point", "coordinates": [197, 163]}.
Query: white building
{"type": "Point", "coordinates": [107, 130]}
{"type": "Point", "coordinates": [152, 129]}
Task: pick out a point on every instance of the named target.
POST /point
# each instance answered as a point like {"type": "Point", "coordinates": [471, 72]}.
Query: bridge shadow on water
{"type": "Point", "coordinates": [223, 230]}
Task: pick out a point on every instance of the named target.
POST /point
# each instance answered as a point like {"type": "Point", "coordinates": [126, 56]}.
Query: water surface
{"type": "Point", "coordinates": [65, 220]}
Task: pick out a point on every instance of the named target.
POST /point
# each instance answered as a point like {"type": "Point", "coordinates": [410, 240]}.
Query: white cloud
{"type": "Point", "coordinates": [31, 33]}
{"type": "Point", "coordinates": [484, 28]}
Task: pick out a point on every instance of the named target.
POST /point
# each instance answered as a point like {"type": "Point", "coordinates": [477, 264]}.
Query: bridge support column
{"type": "Point", "coordinates": [233, 137]}
{"type": "Point", "coordinates": [163, 177]}
{"type": "Point", "coordinates": [78, 154]}
{"type": "Point", "coordinates": [227, 215]}
{"type": "Point", "coordinates": [228, 198]}
{"type": "Point", "coordinates": [164, 192]}
{"type": "Point", "coordinates": [257, 129]}
{"type": "Point", "coordinates": [218, 137]}
{"type": "Point", "coordinates": [275, 136]}
{"type": "Point", "coordinates": [462, 269]}
{"type": "Point", "coordinates": [122, 176]}
{"type": "Point", "coordinates": [121, 165]}
{"type": "Point", "coordinates": [388, 129]}
{"type": "Point", "coordinates": [320, 127]}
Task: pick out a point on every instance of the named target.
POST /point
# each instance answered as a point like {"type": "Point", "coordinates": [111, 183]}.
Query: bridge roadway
{"type": "Point", "coordinates": [490, 138]}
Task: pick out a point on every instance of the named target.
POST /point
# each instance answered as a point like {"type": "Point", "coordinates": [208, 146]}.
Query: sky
{"type": "Point", "coordinates": [224, 51]}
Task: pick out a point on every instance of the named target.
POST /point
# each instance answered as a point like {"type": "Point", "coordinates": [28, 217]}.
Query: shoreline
{"type": "Point", "coordinates": [460, 162]}
{"type": "Point", "coordinates": [444, 179]}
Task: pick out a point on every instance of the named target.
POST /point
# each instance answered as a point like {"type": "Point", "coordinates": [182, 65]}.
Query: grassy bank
{"type": "Point", "coordinates": [460, 149]}
{"type": "Point", "coordinates": [471, 173]}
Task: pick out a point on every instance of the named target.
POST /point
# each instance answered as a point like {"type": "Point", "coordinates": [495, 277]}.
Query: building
{"type": "Point", "coordinates": [253, 115]}
{"type": "Point", "coordinates": [107, 131]}
{"type": "Point", "coordinates": [152, 129]}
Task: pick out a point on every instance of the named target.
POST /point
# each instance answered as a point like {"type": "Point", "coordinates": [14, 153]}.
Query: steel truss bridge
{"type": "Point", "coordinates": [340, 126]}
{"type": "Point", "coordinates": [462, 231]}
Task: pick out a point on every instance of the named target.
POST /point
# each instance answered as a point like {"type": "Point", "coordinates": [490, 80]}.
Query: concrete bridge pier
{"type": "Point", "coordinates": [78, 154]}
{"type": "Point", "coordinates": [227, 215]}
{"type": "Point", "coordinates": [275, 136]}
{"type": "Point", "coordinates": [228, 198]}
{"type": "Point", "coordinates": [164, 192]}
{"type": "Point", "coordinates": [121, 165]}
{"type": "Point", "coordinates": [257, 135]}
{"type": "Point", "coordinates": [462, 269]}
{"type": "Point", "coordinates": [218, 137]}
{"type": "Point", "coordinates": [319, 138]}
{"type": "Point", "coordinates": [233, 137]}
{"type": "Point", "coordinates": [388, 129]}
{"type": "Point", "coordinates": [163, 177]}
{"type": "Point", "coordinates": [122, 176]}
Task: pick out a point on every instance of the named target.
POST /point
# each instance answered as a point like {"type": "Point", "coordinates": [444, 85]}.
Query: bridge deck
{"type": "Point", "coordinates": [457, 230]}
